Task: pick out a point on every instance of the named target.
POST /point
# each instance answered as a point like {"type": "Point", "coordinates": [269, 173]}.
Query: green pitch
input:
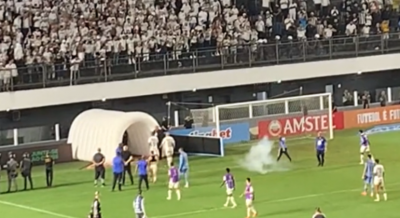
{"type": "Point", "coordinates": [336, 188]}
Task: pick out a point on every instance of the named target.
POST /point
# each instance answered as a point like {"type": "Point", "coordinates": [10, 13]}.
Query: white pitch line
{"type": "Point", "coordinates": [272, 201]}
{"type": "Point", "coordinates": [35, 209]}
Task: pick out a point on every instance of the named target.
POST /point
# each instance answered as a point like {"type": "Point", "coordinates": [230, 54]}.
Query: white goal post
{"type": "Point", "coordinates": [290, 116]}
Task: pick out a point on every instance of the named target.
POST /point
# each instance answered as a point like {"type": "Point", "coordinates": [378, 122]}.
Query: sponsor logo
{"type": "Point", "coordinates": [382, 129]}
{"type": "Point", "coordinates": [299, 125]}
{"type": "Point", "coordinates": [372, 116]}
{"type": "Point", "coordinates": [230, 133]}
{"type": "Point", "coordinates": [225, 134]}
{"type": "Point", "coordinates": [275, 128]}
{"type": "Point", "coordinates": [60, 151]}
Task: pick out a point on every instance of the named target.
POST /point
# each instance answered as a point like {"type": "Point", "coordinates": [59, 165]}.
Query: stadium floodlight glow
{"type": "Point", "coordinates": [290, 116]}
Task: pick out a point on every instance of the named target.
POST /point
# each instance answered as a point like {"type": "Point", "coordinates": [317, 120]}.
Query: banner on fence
{"type": "Point", "coordinates": [371, 117]}
{"type": "Point", "coordinates": [230, 133]}
{"type": "Point", "coordinates": [60, 151]}
{"type": "Point", "coordinates": [298, 125]}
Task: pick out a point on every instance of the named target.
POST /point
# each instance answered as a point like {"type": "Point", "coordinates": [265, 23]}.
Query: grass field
{"type": "Point", "coordinates": [336, 188]}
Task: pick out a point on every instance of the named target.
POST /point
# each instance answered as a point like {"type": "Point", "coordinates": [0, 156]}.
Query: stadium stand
{"type": "Point", "coordinates": [52, 43]}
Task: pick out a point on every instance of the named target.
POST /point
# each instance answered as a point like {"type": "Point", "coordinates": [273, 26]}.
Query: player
{"type": "Point", "coordinates": [368, 175]}
{"type": "Point", "coordinates": [153, 143]}
{"type": "Point", "coordinates": [364, 146]}
{"type": "Point", "coordinates": [249, 195]}
{"type": "Point", "coordinates": [321, 146]}
{"type": "Point", "coordinates": [167, 147]}
{"type": "Point", "coordinates": [229, 181]}
{"type": "Point", "coordinates": [184, 166]}
{"type": "Point", "coordinates": [153, 166]}
{"type": "Point", "coordinates": [173, 182]}
{"type": "Point", "coordinates": [138, 205]}
{"type": "Point", "coordinates": [379, 185]}
{"type": "Point", "coordinates": [283, 149]}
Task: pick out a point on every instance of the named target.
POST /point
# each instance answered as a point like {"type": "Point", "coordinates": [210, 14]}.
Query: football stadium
{"type": "Point", "coordinates": [282, 189]}
{"type": "Point", "coordinates": [217, 108]}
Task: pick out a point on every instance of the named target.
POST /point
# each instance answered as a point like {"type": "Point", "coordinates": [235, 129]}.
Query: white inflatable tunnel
{"type": "Point", "coordinates": [104, 129]}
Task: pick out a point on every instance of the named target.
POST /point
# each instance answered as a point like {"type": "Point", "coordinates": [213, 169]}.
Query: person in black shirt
{"type": "Point", "coordinates": [99, 169]}
{"type": "Point", "coordinates": [49, 162]}
{"type": "Point", "coordinates": [26, 170]}
{"type": "Point", "coordinates": [127, 157]}
{"type": "Point", "coordinates": [165, 124]}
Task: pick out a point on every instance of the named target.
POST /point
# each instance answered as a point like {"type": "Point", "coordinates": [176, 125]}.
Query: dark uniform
{"type": "Point", "coordinates": [49, 162]}
{"type": "Point", "coordinates": [96, 209]}
{"type": "Point", "coordinates": [99, 169]}
{"type": "Point", "coordinates": [126, 155]}
{"type": "Point", "coordinates": [12, 166]}
{"type": "Point", "coordinates": [26, 171]}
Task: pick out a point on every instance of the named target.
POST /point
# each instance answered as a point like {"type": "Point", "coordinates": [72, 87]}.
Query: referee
{"type": "Point", "coordinates": [283, 149]}
{"type": "Point", "coordinates": [318, 213]}
{"type": "Point", "coordinates": [141, 169]}
{"type": "Point", "coordinates": [127, 157]}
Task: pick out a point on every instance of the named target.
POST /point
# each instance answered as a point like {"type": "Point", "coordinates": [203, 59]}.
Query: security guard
{"type": "Point", "coordinates": [49, 163]}
{"type": "Point", "coordinates": [26, 170]}
{"type": "Point", "coordinates": [12, 166]}
{"type": "Point", "coordinates": [127, 157]}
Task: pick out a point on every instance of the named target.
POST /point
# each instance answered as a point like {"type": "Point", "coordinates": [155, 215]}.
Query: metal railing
{"type": "Point", "coordinates": [121, 66]}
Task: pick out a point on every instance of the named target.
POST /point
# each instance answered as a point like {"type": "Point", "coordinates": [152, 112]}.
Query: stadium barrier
{"type": "Point", "coordinates": [60, 151]}
{"type": "Point", "coordinates": [349, 119]}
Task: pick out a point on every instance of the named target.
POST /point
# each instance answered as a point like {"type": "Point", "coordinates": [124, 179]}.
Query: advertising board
{"type": "Point", "coordinates": [372, 116]}
{"type": "Point", "coordinates": [230, 133]}
{"type": "Point", "coordinates": [298, 125]}
{"type": "Point", "coordinates": [60, 151]}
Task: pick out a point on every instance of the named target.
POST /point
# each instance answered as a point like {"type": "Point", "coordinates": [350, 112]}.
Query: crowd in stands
{"type": "Point", "coordinates": [64, 35]}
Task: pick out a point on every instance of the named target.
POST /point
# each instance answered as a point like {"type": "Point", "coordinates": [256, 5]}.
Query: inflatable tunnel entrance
{"type": "Point", "coordinates": [104, 129]}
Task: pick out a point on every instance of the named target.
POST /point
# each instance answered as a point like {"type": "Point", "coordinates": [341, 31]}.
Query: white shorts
{"type": "Point", "coordinates": [364, 149]}
{"type": "Point", "coordinates": [173, 185]}
{"type": "Point", "coordinates": [154, 150]}
{"type": "Point", "coordinates": [229, 191]}
{"type": "Point", "coordinates": [249, 202]}
{"type": "Point", "coordinates": [153, 167]}
{"type": "Point", "coordinates": [378, 181]}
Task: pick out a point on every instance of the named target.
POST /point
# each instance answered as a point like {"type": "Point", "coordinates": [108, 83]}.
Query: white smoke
{"type": "Point", "coordinates": [261, 160]}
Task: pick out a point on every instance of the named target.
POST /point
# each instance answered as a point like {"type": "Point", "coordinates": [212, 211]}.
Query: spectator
{"type": "Point", "coordinates": [366, 100]}
{"type": "Point", "coordinates": [382, 98]}
{"type": "Point", "coordinates": [347, 98]}
{"type": "Point", "coordinates": [48, 35]}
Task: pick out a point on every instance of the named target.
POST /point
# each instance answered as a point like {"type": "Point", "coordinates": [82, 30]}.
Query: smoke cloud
{"type": "Point", "coordinates": [261, 160]}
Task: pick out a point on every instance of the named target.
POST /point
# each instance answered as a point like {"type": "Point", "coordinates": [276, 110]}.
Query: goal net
{"type": "Point", "coordinates": [292, 116]}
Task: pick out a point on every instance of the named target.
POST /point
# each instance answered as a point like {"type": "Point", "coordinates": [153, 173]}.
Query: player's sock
{"type": "Point", "coordinates": [385, 196]}
{"type": "Point", "coordinates": [253, 210]}
{"type": "Point", "coordinates": [228, 199]}
{"type": "Point", "coordinates": [233, 202]}
{"type": "Point", "coordinates": [178, 194]}
{"type": "Point", "coordinates": [169, 194]}
{"type": "Point", "coordinates": [377, 197]}
{"type": "Point", "coordinates": [361, 158]}
{"type": "Point", "coordinates": [102, 182]}
{"type": "Point", "coordinates": [186, 179]}
{"type": "Point", "coordinates": [248, 212]}
{"type": "Point", "coordinates": [95, 182]}
{"type": "Point", "coordinates": [154, 178]}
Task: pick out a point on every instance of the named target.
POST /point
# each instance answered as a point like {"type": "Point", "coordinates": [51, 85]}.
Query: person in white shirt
{"type": "Point", "coordinates": [167, 147]}
{"type": "Point", "coordinates": [293, 10]}
{"type": "Point", "coordinates": [351, 29]}
{"type": "Point", "coordinates": [379, 184]}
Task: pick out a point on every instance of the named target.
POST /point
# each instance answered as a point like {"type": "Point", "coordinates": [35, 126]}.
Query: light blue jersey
{"type": "Point", "coordinates": [184, 167]}
{"type": "Point", "coordinates": [369, 172]}
{"type": "Point", "coordinates": [183, 162]}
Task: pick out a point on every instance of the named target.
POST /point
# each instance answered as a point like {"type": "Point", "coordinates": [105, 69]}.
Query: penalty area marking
{"type": "Point", "coordinates": [268, 202]}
